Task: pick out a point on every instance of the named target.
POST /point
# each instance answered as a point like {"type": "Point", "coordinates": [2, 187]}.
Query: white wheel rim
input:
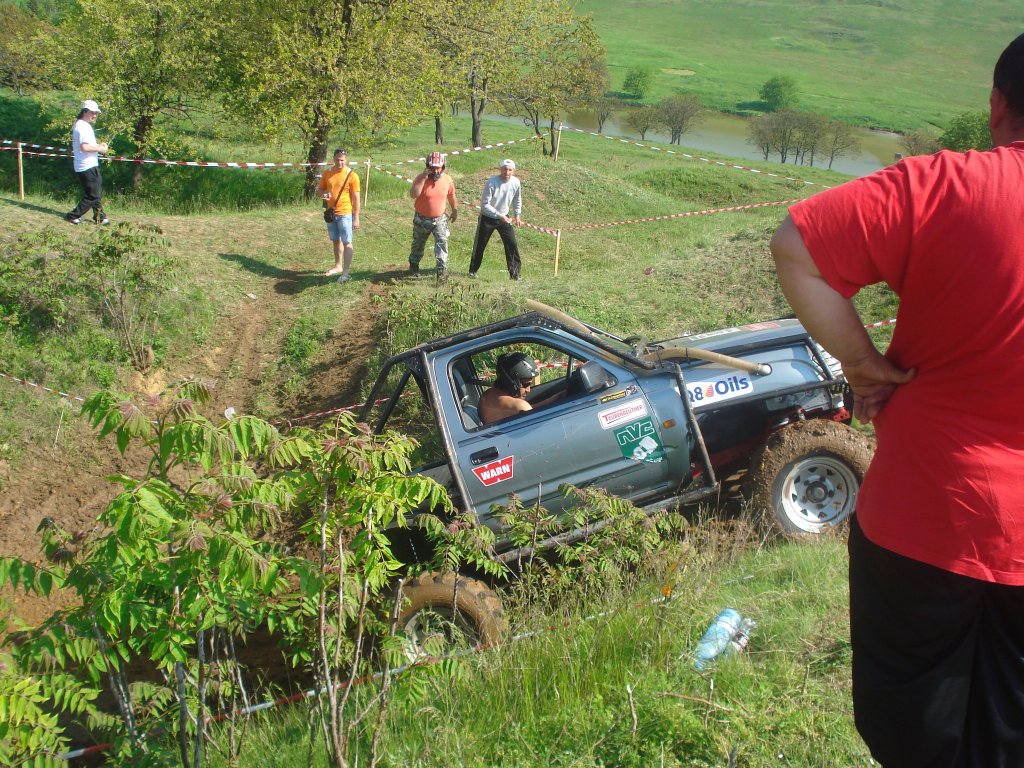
{"type": "Point", "coordinates": [818, 492]}
{"type": "Point", "coordinates": [437, 625]}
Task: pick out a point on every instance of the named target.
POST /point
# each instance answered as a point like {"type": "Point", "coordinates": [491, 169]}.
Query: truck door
{"type": "Point", "coordinates": [608, 439]}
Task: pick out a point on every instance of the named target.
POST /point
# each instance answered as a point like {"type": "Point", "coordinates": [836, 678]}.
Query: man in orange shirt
{"type": "Point", "coordinates": [339, 188]}
{"type": "Point", "coordinates": [434, 191]}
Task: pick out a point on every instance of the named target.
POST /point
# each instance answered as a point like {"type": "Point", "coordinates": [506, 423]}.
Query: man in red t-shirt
{"type": "Point", "coordinates": [434, 192]}
{"type": "Point", "coordinates": [937, 547]}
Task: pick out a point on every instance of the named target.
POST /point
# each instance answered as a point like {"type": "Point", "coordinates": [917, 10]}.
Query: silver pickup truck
{"type": "Point", "coordinates": [655, 422]}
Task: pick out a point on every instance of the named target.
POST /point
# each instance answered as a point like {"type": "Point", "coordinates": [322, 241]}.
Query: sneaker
{"type": "Point", "coordinates": [103, 221]}
{"type": "Point", "coordinates": [414, 269]}
{"type": "Point", "coordinates": [343, 278]}
{"type": "Point", "coordinates": [442, 275]}
{"type": "Point", "coordinates": [514, 277]}
{"type": "Point", "coordinates": [73, 219]}
{"type": "Point", "coordinates": [473, 275]}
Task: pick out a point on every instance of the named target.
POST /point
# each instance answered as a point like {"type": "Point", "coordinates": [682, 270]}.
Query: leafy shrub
{"type": "Point", "coordinates": [51, 284]}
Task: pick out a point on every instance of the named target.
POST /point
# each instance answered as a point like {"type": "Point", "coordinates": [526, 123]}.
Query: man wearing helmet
{"type": "Point", "coordinates": [516, 375]}
{"type": "Point", "coordinates": [433, 192]}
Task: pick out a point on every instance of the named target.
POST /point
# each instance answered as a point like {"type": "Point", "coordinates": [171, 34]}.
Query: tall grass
{"type": "Point", "coordinates": [610, 682]}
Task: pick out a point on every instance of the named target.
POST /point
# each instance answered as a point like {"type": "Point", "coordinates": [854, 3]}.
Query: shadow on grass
{"type": "Point", "coordinates": [288, 282]}
{"type": "Point", "coordinates": [31, 207]}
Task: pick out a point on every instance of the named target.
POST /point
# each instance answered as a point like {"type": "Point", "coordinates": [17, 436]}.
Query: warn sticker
{"type": "Point", "coordinates": [718, 388]}
{"type": "Point", "coordinates": [629, 411]}
{"type": "Point", "coordinates": [495, 472]}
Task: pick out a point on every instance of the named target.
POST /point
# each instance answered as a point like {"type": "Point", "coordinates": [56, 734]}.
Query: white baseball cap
{"type": "Point", "coordinates": [507, 163]}
{"type": "Point", "coordinates": [91, 105]}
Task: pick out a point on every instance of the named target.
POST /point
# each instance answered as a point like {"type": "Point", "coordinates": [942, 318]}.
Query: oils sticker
{"type": "Point", "coordinates": [715, 389]}
{"type": "Point", "coordinates": [761, 326]}
{"type": "Point", "coordinates": [640, 442]}
{"type": "Point", "coordinates": [495, 472]}
{"type": "Point", "coordinates": [630, 390]}
{"type": "Point", "coordinates": [620, 414]}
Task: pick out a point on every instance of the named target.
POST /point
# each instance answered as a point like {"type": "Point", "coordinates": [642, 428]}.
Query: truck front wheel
{"type": "Point", "coordinates": [808, 475]}
{"type": "Point", "coordinates": [436, 617]}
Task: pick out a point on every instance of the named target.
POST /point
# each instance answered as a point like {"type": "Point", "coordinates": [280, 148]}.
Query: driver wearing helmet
{"type": "Point", "coordinates": [516, 375]}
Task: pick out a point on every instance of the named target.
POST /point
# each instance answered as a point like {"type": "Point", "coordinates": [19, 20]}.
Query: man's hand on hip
{"type": "Point", "coordinates": [873, 379]}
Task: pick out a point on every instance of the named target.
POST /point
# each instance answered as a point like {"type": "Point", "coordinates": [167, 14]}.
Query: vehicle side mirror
{"type": "Point", "coordinates": [594, 378]}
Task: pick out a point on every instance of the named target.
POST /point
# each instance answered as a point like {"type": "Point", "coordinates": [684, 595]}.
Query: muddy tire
{"type": "Point", "coordinates": [807, 476]}
{"type": "Point", "coordinates": [431, 626]}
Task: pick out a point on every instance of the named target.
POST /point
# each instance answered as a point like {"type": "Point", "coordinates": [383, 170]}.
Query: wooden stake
{"type": "Point", "coordinates": [558, 141]}
{"type": "Point", "coordinates": [558, 247]}
{"type": "Point", "coordinates": [21, 174]}
{"type": "Point", "coordinates": [366, 187]}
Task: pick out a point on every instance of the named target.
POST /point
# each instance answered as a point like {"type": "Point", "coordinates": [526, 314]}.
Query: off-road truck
{"type": "Point", "coordinates": [655, 422]}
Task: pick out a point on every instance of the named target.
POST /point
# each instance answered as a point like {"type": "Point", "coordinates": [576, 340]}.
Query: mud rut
{"type": "Point", "coordinates": [70, 487]}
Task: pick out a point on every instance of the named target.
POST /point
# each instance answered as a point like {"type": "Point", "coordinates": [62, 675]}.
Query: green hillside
{"type": "Point", "coordinates": [878, 63]}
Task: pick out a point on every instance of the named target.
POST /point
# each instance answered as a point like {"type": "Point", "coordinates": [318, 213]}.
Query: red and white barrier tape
{"type": "Point", "coordinates": [680, 215]}
{"type": "Point", "coordinates": [881, 323]}
{"type": "Point", "coordinates": [545, 230]}
{"type": "Point", "coordinates": [40, 386]}
{"type": "Point", "coordinates": [470, 150]}
{"type": "Point", "coordinates": [722, 163]}
{"type": "Point", "coordinates": [33, 146]}
{"type": "Point", "coordinates": [216, 164]}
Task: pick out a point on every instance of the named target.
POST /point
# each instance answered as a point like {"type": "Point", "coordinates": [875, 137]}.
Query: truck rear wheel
{"type": "Point", "coordinates": [432, 625]}
{"type": "Point", "coordinates": [808, 474]}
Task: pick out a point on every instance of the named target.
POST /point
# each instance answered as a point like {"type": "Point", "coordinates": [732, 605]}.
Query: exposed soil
{"type": "Point", "coordinates": [71, 488]}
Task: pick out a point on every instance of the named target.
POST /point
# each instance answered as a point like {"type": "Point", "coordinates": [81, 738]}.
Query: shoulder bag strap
{"type": "Point", "coordinates": [342, 189]}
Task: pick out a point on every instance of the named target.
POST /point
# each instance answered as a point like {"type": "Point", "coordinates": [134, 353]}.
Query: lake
{"type": "Point", "coordinates": [727, 135]}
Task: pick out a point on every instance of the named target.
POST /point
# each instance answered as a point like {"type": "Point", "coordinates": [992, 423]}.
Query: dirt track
{"type": "Point", "coordinates": [73, 490]}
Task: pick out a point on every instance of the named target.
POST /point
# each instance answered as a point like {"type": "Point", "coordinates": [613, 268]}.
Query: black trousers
{"type": "Point", "coordinates": [92, 194]}
{"type": "Point", "coordinates": [938, 663]}
{"type": "Point", "coordinates": [484, 229]}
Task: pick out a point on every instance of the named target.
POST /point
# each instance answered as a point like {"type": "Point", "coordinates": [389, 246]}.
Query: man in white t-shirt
{"type": "Point", "coordinates": [87, 165]}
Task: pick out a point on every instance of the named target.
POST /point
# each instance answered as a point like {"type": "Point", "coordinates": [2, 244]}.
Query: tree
{"type": "Point", "coordinates": [779, 93]}
{"type": "Point", "coordinates": [968, 130]}
{"type": "Point", "coordinates": [184, 562]}
{"type": "Point", "coordinates": [361, 67]}
{"type": "Point", "coordinates": [603, 109]}
{"type": "Point", "coordinates": [839, 140]}
{"type": "Point", "coordinates": [810, 136]}
{"type": "Point", "coordinates": [642, 119]}
{"type": "Point", "coordinates": [919, 142]}
{"type": "Point", "coordinates": [638, 81]}
{"type": "Point", "coordinates": [679, 114]}
{"type": "Point", "coordinates": [22, 67]}
{"type": "Point", "coordinates": [776, 132]}
{"type": "Point", "coordinates": [561, 67]}
{"type": "Point", "coordinates": [484, 42]}
{"type": "Point", "coordinates": [141, 59]}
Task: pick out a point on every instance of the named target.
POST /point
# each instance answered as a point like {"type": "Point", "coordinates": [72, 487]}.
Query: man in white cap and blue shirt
{"type": "Point", "coordinates": [87, 165]}
{"type": "Point", "coordinates": [500, 207]}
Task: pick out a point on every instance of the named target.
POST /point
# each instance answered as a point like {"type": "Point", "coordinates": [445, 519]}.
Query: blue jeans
{"type": "Point", "coordinates": [340, 229]}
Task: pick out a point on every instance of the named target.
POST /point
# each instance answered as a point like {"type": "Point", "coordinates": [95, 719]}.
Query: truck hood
{"type": "Point", "coordinates": [734, 341]}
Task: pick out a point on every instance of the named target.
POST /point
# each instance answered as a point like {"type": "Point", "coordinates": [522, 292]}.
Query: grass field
{"type": "Point", "coordinates": [879, 63]}
{"type": "Point", "coordinates": [249, 307]}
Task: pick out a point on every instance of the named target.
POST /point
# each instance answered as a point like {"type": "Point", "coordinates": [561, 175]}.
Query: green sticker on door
{"type": "Point", "coordinates": [639, 441]}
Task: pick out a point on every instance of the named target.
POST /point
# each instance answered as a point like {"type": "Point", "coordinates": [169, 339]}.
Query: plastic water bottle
{"type": "Point", "coordinates": [739, 640]}
{"type": "Point", "coordinates": [716, 638]}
